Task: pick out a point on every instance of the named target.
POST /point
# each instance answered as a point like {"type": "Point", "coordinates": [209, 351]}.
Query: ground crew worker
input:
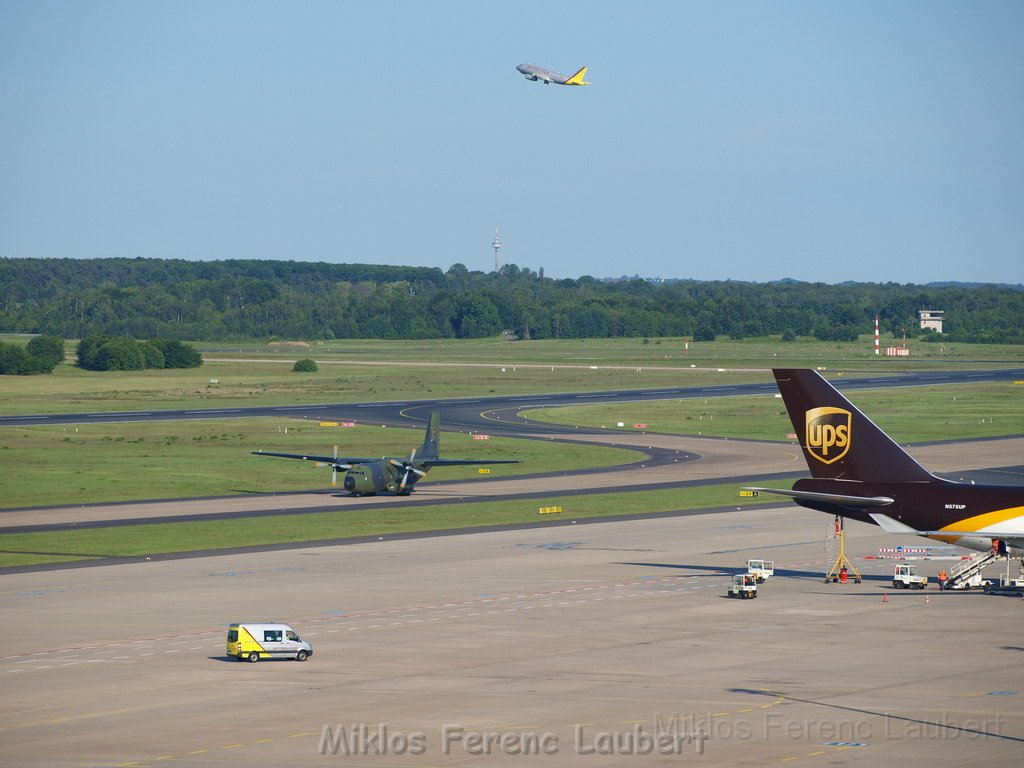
{"type": "Point", "coordinates": [942, 578]}
{"type": "Point", "coordinates": [842, 575]}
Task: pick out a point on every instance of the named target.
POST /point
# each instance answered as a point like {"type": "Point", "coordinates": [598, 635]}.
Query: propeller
{"type": "Point", "coordinates": [334, 469]}
{"type": "Point", "coordinates": [409, 469]}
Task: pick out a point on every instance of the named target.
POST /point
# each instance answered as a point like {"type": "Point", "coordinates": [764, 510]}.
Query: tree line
{"type": "Point", "coordinates": [41, 355]}
{"type": "Point", "coordinates": [249, 299]}
{"type": "Point", "coordinates": [97, 353]}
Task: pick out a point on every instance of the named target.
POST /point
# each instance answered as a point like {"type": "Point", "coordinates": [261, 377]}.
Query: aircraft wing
{"type": "Point", "coordinates": [321, 459]}
{"type": "Point", "coordinates": [887, 524]}
{"type": "Point", "coordinates": [829, 498]}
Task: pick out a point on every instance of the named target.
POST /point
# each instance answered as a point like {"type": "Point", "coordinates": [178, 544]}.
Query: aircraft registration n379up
{"type": "Point", "coordinates": [547, 76]}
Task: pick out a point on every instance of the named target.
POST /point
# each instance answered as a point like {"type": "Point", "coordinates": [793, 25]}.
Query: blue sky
{"type": "Point", "coordinates": [872, 140]}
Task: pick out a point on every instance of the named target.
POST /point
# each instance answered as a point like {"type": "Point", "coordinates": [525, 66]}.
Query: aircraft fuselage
{"type": "Point", "coordinates": [548, 76]}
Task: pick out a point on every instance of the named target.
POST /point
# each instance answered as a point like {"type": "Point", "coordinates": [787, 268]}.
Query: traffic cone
{"type": "Point", "coordinates": [885, 597]}
{"type": "Point", "coordinates": [926, 599]}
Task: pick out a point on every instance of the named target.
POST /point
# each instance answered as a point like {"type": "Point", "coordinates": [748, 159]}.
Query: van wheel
{"type": "Point", "coordinates": [254, 657]}
{"type": "Point", "coordinates": [301, 656]}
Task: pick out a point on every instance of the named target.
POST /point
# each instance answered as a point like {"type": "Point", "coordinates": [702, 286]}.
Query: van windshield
{"type": "Point", "coordinates": [232, 635]}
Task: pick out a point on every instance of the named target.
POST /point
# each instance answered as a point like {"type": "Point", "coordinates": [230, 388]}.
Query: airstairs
{"type": "Point", "coordinates": [968, 573]}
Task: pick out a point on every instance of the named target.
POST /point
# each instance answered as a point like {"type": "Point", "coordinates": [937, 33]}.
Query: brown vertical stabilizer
{"type": "Point", "coordinates": [839, 442]}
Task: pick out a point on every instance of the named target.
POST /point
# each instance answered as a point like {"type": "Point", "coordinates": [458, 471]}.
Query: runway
{"type": "Point", "coordinates": [466, 413]}
{"type": "Point", "coordinates": [575, 635]}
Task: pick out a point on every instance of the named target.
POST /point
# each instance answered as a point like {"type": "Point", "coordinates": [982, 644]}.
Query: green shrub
{"type": "Point", "coordinates": [48, 349]}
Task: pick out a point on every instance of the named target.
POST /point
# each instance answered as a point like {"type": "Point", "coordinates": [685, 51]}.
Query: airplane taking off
{"type": "Point", "coordinates": [859, 472]}
{"type": "Point", "coordinates": [367, 477]}
{"type": "Point", "coordinates": [547, 76]}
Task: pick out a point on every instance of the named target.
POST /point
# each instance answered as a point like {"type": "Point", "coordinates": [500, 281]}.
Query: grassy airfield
{"type": "Point", "coordinates": [912, 415]}
{"type": "Point", "coordinates": [110, 462]}
{"type": "Point", "coordinates": [81, 464]}
{"type": "Point", "coordinates": [365, 371]}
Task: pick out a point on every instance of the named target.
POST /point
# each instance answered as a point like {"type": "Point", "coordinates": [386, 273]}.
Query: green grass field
{"type": "Point", "coordinates": [81, 464]}
{"type": "Point", "coordinates": [633, 352]}
{"type": "Point", "coordinates": [362, 371]}
{"type": "Point", "coordinates": [142, 540]}
{"type": "Point", "coordinates": [913, 414]}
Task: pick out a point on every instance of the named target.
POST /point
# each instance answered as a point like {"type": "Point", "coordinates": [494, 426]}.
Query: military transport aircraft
{"type": "Point", "coordinates": [859, 472]}
{"type": "Point", "coordinates": [367, 477]}
{"type": "Point", "coordinates": [547, 76]}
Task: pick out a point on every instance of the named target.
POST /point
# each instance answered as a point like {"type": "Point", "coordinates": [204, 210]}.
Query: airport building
{"type": "Point", "coordinates": [931, 318]}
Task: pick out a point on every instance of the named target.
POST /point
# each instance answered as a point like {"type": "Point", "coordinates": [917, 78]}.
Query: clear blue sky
{"type": "Point", "coordinates": [876, 140]}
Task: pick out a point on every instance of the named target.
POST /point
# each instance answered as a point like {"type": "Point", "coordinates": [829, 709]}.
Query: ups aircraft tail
{"type": "Point", "coordinates": [858, 471]}
{"type": "Point", "coordinates": [839, 442]}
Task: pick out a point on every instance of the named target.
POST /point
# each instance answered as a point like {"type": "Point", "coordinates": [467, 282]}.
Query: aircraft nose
{"type": "Point", "coordinates": [350, 483]}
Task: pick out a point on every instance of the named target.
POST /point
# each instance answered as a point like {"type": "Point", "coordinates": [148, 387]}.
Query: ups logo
{"type": "Point", "coordinates": [828, 433]}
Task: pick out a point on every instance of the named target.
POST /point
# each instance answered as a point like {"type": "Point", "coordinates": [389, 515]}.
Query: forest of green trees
{"type": "Point", "coordinates": [190, 300]}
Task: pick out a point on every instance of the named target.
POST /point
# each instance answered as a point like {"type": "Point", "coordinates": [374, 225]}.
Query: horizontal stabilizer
{"type": "Point", "coordinates": [829, 498]}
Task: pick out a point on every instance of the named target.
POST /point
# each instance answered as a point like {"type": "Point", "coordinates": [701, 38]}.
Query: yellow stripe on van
{"type": "Point", "coordinates": [247, 643]}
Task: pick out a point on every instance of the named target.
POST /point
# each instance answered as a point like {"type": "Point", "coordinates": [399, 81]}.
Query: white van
{"type": "Point", "coordinates": [266, 641]}
{"type": "Point", "coordinates": [762, 570]}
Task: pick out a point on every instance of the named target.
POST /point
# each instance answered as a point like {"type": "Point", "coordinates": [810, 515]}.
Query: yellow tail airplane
{"type": "Point", "coordinates": [547, 76]}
